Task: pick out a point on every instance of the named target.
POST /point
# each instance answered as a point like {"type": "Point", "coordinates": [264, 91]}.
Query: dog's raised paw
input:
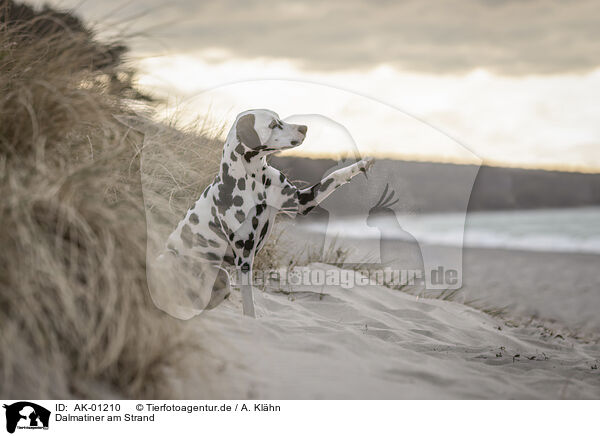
{"type": "Point", "coordinates": [366, 164]}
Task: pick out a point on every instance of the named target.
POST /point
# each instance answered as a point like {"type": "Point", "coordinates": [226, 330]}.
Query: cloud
{"type": "Point", "coordinates": [505, 37]}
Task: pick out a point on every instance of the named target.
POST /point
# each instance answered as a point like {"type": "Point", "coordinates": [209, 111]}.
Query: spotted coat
{"type": "Point", "coordinates": [232, 219]}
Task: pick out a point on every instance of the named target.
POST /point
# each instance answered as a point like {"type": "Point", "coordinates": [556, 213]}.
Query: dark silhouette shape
{"type": "Point", "coordinates": [13, 415]}
{"type": "Point", "coordinates": [397, 246]}
{"type": "Point", "coordinates": [33, 419]}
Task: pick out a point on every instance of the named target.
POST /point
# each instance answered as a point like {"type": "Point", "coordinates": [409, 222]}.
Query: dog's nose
{"type": "Point", "coordinates": [302, 129]}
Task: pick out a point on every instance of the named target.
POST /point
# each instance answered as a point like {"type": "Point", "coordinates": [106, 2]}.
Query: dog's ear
{"type": "Point", "coordinates": [246, 133]}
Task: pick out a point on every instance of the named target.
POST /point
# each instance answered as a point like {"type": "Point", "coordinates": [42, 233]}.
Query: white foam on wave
{"type": "Point", "coordinates": [561, 230]}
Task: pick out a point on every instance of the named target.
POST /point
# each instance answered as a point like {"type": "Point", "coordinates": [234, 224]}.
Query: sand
{"type": "Point", "coordinates": [374, 342]}
{"type": "Point", "coordinates": [561, 289]}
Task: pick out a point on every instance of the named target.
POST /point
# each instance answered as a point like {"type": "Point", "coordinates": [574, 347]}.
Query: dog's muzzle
{"type": "Point", "coordinates": [301, 129]}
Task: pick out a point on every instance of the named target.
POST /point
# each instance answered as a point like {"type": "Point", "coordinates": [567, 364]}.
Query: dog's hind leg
{"type": "Point", "coordinates": [312, 196]}
{"type": "Point", "coordinates": [222, 284]}
{"type": "Point", "coordinates": [221, 289]}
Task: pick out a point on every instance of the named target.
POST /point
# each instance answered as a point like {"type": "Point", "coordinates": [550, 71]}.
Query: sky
{"type": "Point", "coordinates": [514, 83]}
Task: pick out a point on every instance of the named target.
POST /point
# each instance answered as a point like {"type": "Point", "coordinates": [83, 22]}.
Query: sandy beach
{"type": "Point", "coordinates": [556, 287]}
{"type": "Point", "coordinates": [374, 342]}
{"type": "Point", "coordinates": [523, 325]}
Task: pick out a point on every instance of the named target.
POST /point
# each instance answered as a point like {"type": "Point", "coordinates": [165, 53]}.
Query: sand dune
{"type": "Point", "coordinates": [373, 342]}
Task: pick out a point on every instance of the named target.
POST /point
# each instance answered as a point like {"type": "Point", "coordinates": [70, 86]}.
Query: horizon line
{"type": "Point", "coordinates": [495, 163]}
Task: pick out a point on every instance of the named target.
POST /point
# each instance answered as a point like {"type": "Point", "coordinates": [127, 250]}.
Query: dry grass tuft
{"type": "Point", "coordinates": [76, 319]}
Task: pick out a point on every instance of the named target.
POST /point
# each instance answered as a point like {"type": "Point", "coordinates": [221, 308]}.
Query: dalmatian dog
{"type": "Point", "coordinates": [232, 219]}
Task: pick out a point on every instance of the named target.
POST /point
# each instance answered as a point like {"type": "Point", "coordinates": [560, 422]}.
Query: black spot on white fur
{"type": "Point", "coordinates": [263, 232]}
{"type": "Point", "coordinates": [224, 200]}
{"type": "Point", "coordinates": [249, 155]}
{"type": "Point", "coordinates": [240, 216]}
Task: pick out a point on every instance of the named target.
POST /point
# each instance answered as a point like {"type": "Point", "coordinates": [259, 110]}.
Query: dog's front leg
{"type": "Point", "coordinates": [244, 281]}
{"type": "Point", "coordinates": [246, 289]}
{"type": "Point", "coordinates": [243, 246]}
{"type": "Point", "coordinates": [312, 196]}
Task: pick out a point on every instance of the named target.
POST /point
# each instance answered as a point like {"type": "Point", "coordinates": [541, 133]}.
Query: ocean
{"type": "Point", "coordinates": [572, 230]}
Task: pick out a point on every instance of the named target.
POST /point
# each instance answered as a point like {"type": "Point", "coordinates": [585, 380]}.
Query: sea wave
{"type": "Point", "coordinates": [561, 230]}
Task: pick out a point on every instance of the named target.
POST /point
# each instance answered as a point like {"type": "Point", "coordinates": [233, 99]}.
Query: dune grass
{"type": "Point", "coordinates": [76, 318]}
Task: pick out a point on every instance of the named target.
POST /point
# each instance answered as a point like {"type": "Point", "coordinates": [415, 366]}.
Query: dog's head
{"type": "Point", "coordinates": [261, 132]}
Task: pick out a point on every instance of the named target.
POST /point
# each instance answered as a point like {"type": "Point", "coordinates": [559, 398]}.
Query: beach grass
{"type": "Point", "coordinates": [76, 318]}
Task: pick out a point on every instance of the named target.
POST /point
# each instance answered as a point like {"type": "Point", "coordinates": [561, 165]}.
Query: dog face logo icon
{"type": "Point", "coordinates": [26, 415]}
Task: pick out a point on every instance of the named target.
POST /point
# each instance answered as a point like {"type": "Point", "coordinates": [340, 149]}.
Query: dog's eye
{"type": "Point", "coordinates": [273, 124]}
